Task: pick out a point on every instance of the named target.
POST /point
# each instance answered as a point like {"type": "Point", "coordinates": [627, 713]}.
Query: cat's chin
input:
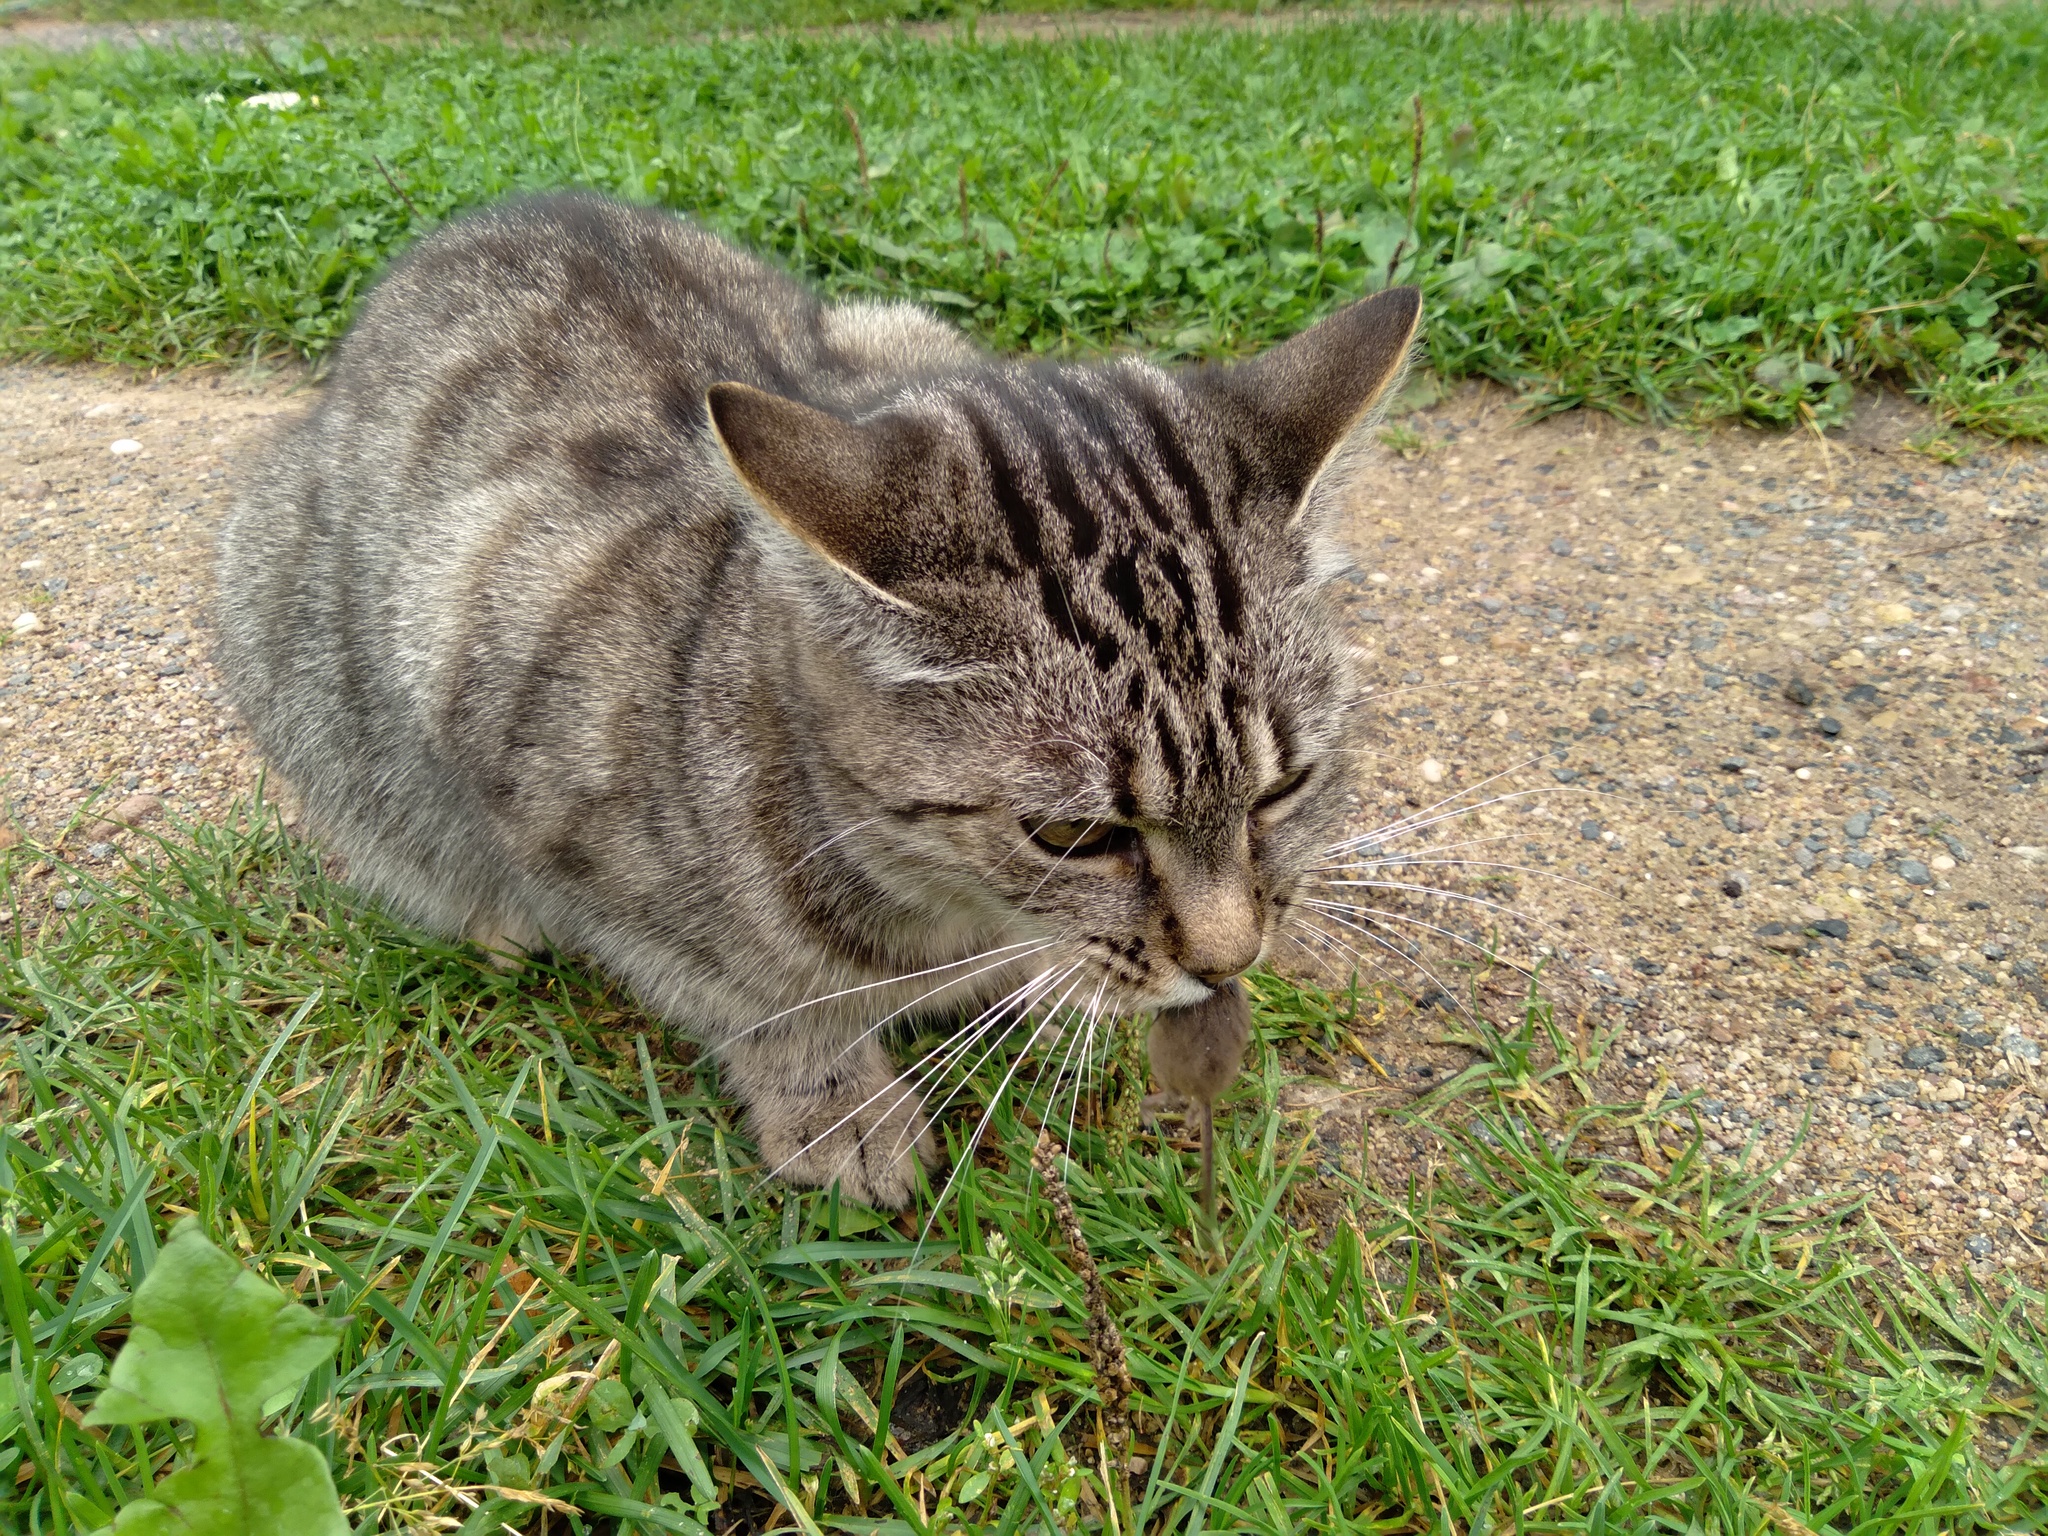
{"type": "Point", "coordinates": [1183, 993]}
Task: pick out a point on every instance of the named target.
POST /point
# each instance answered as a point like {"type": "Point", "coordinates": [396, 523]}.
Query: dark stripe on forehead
{"type": "Point", "coordinates": [1054, 598]}
{"type": "Point", "coordinates": [1120, 580]}
{"type": "Point", "coordinates": [1018, 514]}
{"type": "Point", "coordinates": [1171, 752]}
{"type": "Point", "coordinates": [1056, 449]}
{"type": "Point", "coordinates": [1121, 771]}
{"type": "Point", "coordinates": [1074, 627]}
{"type": "Point", "coordinates": [1229, 596]}
{"type": "Point", "coordinates": [1173, 458]}
{"type": "Point", "coordinates": [1142, 488]}
{"type": "Point", "coordinates": [1175, 570]}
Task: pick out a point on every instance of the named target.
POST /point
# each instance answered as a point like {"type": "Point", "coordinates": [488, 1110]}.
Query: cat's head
{"type": "Point", "coordinates": [1068, 640]}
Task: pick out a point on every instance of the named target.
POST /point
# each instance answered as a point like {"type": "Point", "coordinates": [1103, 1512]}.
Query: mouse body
{"type": "Point", "coordinates": [1197, 1053]}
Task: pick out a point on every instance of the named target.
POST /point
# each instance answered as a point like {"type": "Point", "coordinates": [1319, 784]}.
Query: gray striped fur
{"type": "Point", "coordinates": [754, 715]}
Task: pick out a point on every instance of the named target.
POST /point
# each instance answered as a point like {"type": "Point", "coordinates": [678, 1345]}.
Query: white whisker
{"type": "Point", "coordinates": [1438, 891]}
{"type": "Point", "coordinates": [835, 837]}
{"type": "Point", "coordinates": [1413, 959]}
{"type": "Point", "coordinates": [897, 1013]}
{"type": "Point", "coordinates": [1520, 869]}
{"type": "Point", "coordinates": [981, 1127]}
{"type": "Point", "coordinates": [905, 1080]}
{"type": "Point", "coordinates": [891, 981]}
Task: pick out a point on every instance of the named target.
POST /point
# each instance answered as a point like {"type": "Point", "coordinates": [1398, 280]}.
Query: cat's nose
{"type": "Point", "coordinates": [1222, 945]}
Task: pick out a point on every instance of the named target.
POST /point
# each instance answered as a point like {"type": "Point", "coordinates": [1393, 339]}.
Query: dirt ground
{"type": "Point", "coordinates": [63, 33]}
{"type": "Point", "coordinates": [1751, 730]}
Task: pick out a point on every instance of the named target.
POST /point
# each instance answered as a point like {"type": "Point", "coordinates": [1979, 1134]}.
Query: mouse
{"type": "Point", "coordinates": [1197, 1052]}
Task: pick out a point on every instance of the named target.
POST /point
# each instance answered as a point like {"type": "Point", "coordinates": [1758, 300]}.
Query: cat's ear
{"type": "Point", "coordinates": [841, 487]}
{"type": "Point", "coordinates": [1310, 393]}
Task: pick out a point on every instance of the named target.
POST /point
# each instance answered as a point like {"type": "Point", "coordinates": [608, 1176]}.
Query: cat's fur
{"type": "Point", "coordinates": [749, 701]}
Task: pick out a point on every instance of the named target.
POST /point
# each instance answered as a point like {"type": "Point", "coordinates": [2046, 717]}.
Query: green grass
{"type": "Point", "coordinates": [1551, 1330]}
{"type": "Point", "coordinates": [1729, 212]}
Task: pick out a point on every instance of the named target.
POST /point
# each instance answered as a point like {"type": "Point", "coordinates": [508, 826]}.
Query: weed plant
{"type": "Point", "coordinates": [1735, 212]}
{"type": "Point", "coordinates": [569, 1303]}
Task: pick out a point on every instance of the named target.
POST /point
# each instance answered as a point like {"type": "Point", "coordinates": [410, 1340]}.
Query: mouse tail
{"type": "Point", "coordinates": [1209, 1163]}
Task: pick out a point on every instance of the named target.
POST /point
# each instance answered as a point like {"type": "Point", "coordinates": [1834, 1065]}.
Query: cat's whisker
{"type": "Point", "coordinates": [1438, 891]}
{"type": "Point", "coordinates": [889, 1018]}
{"type": "Point", "coordinates": [1414, 958]}
{"type": "Point", "coordinates": [1067, 1040]}
{"type": "Point", "coordinates": [1068, 741]}
{"type": "Point", "coordinates": [1051, 870]}
{"type": "Point", "coordinates": [1087, 1057]}
{"type": "Point", "coordinates": [1018, 1013]}
{"type": "Point", "coordinates": [981, 1127]}
{"type": "Point", "coordinates": [1014, 1012]}
{"type": "Point", "coordinates": [1449, 808]}
{"type": "Point", "coordinates": [1076, 1041]}
{"type": "Point", "coordinates": [1519, 869]}
{"type": "Point", "coordinates": [1388, 693]}
{"type": "Point", "coordinates": [1338, 915]}
{"type": "Point", "coordinates": [1469, 789]}
{"type": "Point", "coordinates": [1350, 949]}
{"type": "Point", "coordinates": [953, 1048]}
{"type": "Point", "coordinates": [1408, 827]}
{"type": "Point", "coordinates": [868, 821]}
{"type": "Point", "coordinates": [1378, 840]}
{"type": "Point", "coordinates": [1464, 842]}
{"type": "Point", "coordinates": [891, 981]}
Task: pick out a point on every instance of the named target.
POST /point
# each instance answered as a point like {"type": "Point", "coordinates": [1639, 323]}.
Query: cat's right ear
{"type": "Point", "coordinates": [840, 487]}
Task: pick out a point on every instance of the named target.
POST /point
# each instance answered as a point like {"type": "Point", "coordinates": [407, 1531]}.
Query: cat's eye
{"type": "Point", "coordinates": [1274, 798]}
{"type": "Point", "coordinates": [1078, 839]}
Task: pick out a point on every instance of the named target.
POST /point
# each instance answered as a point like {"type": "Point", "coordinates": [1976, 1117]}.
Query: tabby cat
{"type": "Point", "coordinates": [806, 666]}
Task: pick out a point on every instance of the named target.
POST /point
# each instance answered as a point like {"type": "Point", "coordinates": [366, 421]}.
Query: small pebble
{"type": "Point", "coordinates": [1913, 872]}
{"type": "Point", "coordinates": [1432, 771]}
{"type": "Point", "coordinates": [1799, 693]}
{"type": "Point", "coordinates": [124, 446]}
{"type": "Point", "coordinates": [1830, 726]}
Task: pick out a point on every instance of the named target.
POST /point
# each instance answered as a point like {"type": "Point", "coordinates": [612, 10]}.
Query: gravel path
{"type": "Point", "coordinates": [1772, 716]}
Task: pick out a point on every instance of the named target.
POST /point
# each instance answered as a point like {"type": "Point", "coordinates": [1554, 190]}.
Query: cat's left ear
{"type": "Point", "coordinates": [1312, 392]}
{"type": "Point", "coordinates": [843, 488]}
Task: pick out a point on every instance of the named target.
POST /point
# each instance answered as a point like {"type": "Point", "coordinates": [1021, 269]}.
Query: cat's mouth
{"type": "Point", "coordinates": [1182, 992]}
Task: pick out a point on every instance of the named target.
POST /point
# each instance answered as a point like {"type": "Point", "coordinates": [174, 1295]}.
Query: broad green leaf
{"type": "Point", "coordinates": [211, 1342]}
{"type": "Point", "coordinates": [264, 1485]}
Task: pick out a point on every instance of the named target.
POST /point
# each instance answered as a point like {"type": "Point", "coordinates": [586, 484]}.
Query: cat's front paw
{"type": "Point", "coordinates": [868, 1141]}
